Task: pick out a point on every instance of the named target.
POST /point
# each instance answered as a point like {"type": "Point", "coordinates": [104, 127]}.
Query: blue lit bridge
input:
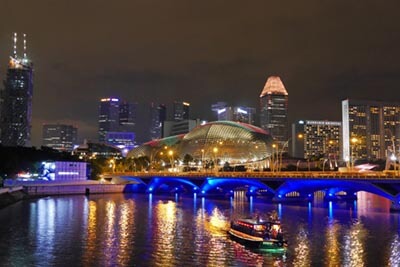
{"type": "Point", "coordinates": [279, 186]}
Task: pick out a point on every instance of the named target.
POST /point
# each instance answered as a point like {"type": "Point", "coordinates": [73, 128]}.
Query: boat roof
{"type": "Point", "coordinates": [261, 221]}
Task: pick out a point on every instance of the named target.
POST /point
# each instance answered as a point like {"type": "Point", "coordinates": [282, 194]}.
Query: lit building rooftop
{"type": "Point", "coordinates": [274, 85]}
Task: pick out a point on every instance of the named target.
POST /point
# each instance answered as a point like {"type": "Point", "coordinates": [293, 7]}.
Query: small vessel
{"type": "Point", "coordinates": [258, 233]}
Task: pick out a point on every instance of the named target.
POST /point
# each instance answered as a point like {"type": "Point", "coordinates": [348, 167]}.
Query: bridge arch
{"type": "Point", "coordinates": [225, 185]}
{"type": "Point", "coordinates": [330, 187]}
{"type": "Point", "coordinates": [171, 184]}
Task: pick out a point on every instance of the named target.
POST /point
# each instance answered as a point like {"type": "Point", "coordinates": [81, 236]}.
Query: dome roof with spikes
{"type": "Point", "coordinates": [274, 85]}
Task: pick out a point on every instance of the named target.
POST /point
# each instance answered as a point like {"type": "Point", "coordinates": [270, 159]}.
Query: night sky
{"type": "Point", "coordinates": [202, 52]}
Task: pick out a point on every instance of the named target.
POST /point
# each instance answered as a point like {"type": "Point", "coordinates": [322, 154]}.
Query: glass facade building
{"type": "Point", "coordinates": [274, 110]}
{"type": "Point", "coordinates": [117, 122]}
{"type": "Point", "coordinates": [16, 101]}
{"type": "Point", "coordinates": [158, 115]}
{"type": "Point", "coordinates": [108, 117]}
{"type": "Point", "coordinates": [181, 111]}
{"type": "Point", "coordinates": [238, 113]}
{"type": "Point", "coordinates": [60, 136]}
{"type": "Point", "coordinates": [229, 142]}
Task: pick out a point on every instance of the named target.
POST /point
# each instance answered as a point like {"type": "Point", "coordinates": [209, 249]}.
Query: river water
{"type": "Point", "coordinates": [151, 230]}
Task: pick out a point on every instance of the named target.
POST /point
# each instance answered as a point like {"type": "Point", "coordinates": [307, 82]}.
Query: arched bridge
{"type": "Point", "coordinates": [281, 186]}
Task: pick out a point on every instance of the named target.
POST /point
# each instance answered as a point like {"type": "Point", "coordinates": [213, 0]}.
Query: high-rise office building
{"type": "Point", "coordinates": [238, 113]}
{"type": "Point", "coordinates": [108, 117]}
{"type": "Point", "coordinates": [60, 136]}
{"type": "Point", "coordinates": [217, 108]}
{"type": "Point", "coordinates": [181, 111]}
{"type": "Point", "coordinates": [371, 129]}
{"type": "Point", "coordinates": [158, 116]}
{"type": "Point", "coordinates": [316, 139]}
{"type": "Point", "coordinates": [274, 110]}
{"type": "Point", "coordinates": [322, 138]}
{"type": "Point", "coordinates": [127, 116]}
{"type": "Point", "coordinates": [16, 102]}
{"type": "Point", "coordinates": [172, 128]}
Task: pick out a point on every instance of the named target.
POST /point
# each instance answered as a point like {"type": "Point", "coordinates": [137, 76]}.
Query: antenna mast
{"type": "Point", "coordinates": [24, 46]}
{"type": "Point", "coordinates": [15, 45]}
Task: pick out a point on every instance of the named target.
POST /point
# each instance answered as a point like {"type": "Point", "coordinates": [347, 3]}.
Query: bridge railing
{"type": "Point", "coordinates": [250, 174]}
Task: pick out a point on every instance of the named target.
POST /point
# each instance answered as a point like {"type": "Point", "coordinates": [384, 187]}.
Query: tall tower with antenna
{"type": "Point", "coordinates": [16, 99]}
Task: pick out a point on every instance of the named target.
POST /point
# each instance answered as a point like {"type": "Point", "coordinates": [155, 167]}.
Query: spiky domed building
{"type": "Point", "coordinates": [229, 142]}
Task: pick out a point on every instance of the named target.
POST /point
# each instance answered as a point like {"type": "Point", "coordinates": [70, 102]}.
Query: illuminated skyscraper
{"type": "Point", "coordinates": [108, 117]}
{"type": "Point", "coordinates": [274, 109]}
{"type": "Point", "coordinates": [127, 116]}
{"type": "Point", "coordinates": [374, 127]}
{"type": "Point", "coordinates": [117, 122]}
{"type": "Point", "coordinates": [238, 113]}
{"type": "Point", "coordinates": [60, 136]}
{"type": "Point", "coordinates": [16, 103]}
{"type": "Point", "coordinates": [158, 117]}
{"type": "Point", "coordinates": [181, 111]}
{"type": "Point", "coordinates": [316, 139]}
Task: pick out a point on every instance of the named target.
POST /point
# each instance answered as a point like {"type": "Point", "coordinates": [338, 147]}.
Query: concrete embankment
{"type": "Point", "coordinates": [17, 192]}
{"type": "Point", "coordinates": [11, 195]}
{"type": "Point", "coordinates": [69, 189]}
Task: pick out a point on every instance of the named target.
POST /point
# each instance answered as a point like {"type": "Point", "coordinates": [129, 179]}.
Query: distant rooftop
{"type": "Point", "coordinates": [274, 85]}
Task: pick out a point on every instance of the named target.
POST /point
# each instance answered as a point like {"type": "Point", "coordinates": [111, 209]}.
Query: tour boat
{"type": "Point", "coordinates": [258, 233]}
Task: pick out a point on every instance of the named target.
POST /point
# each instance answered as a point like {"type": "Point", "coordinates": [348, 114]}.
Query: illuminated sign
{"type": "Point", "coordinates": [109, 100]}
{"type": "Point", "coordinates": [68, 173]}
{"type": "Point", "coordinates": [221, 110]}
{"type": "Point", "coordinates": [241, 111]}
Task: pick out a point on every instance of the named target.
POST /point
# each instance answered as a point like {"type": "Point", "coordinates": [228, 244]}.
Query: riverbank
{"type": "Point", "coordinates": [11, 195]}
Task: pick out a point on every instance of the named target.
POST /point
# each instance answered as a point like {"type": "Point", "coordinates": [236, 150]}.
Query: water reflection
{"type": "Point", "coordinates": [302, 248]}
{"type": "Point", "coordinates": [151, 230]}
{"type": "Point", "coordinates": [46, 227]}
{"type": "Point", "coordinates": [126, 232]}
{"type": "Point", "coordinates": [332, 246]}
{"type": "Point", "coordinates": [165, 231]}
{"type": "Point", "coordinates": [91, 239]}
{"type": "Point", "coordinates": [354, 242]}
{"type": "Point", "coordinates": [394, 257]}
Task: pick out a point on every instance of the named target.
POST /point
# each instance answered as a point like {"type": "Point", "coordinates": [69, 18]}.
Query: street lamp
{"type": "Point", "coordinates": [112, 164]}
{"type": "Point", "coordinates": [272, 167]}
{"type": "Point", "coordinates": [215, 151]}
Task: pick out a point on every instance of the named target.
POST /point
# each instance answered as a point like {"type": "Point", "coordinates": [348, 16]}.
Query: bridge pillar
{"type": "Point", "coordinates": [395, 207]}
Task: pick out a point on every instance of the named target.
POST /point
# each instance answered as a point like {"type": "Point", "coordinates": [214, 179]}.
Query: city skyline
{"type": "Point", "coordinates": [324, 53]}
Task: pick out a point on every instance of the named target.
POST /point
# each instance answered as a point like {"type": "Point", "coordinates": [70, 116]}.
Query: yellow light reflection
{"type": "Point", "coordinates": [218, 223]}
{"type": "Point", "coordinates": [125, 232]}
{"type": "Point", "coordinates": [332, 246]}
{"type": "Point", "coordinates": [109, 230]}
{"type": "Point", "coordinates": [90, 251]}
{"type": "Point", "coordinates": [302, 249]}
{"type": "Point", "coordinates": [165, 214]}
{"type": "Point", "coordinates": [354, 251]}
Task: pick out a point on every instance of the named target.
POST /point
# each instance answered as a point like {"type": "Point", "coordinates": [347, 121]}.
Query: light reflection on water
{"type": "Point", "coordinates": [151, 230]}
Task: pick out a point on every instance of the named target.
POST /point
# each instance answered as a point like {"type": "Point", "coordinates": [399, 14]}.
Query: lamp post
{"type": "Point", "coordinates": [281, 153]}
{"type": "Point", "coordinates": [215, 151]}
{"type": "Point", "coordinates": [274, 146]}
{"type": "Point", "coordinates": [202, 159]}
{"type": "Point", "coordinates": [112, 164]}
